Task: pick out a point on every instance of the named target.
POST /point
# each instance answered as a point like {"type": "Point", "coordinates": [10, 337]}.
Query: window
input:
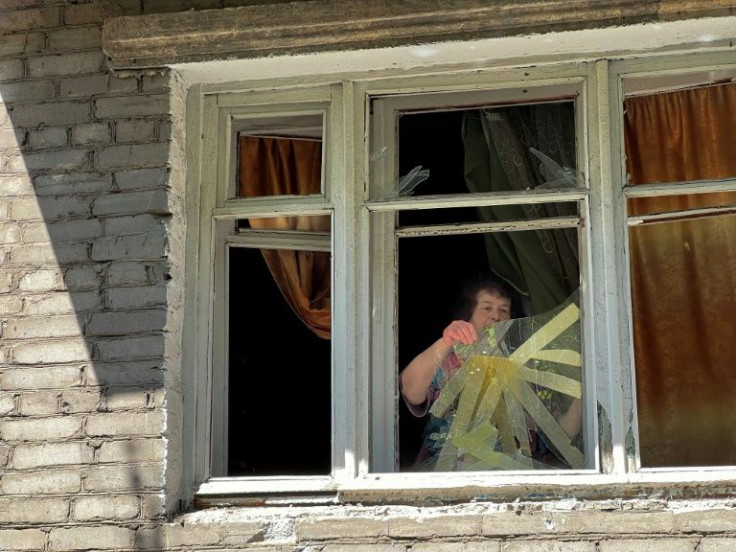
{"type": "Point", "coordinates": [339, 221]}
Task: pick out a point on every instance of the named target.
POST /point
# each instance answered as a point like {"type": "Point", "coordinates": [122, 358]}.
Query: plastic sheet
{"type": "Point", "coordinates": [503, 409]}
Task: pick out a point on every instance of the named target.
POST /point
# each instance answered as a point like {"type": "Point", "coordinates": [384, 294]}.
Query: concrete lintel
{"type": "Point", "coordinates": [156, 40]}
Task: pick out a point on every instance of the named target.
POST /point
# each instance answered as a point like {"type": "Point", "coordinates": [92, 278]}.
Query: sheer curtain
{"type": "Point", "coordinates": [280, 166]}
{"type": "Point", "coordinates": [683, 275]}
{"type": "Point", "coordinates": [543, 264]}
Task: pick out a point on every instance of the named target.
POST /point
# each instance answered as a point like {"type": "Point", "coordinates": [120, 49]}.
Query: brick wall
{"type": "Point", "coordinates": [91, 248]}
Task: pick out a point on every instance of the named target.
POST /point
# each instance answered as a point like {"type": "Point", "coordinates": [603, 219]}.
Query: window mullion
{"type": "Point", "coordinates": [610, 294]}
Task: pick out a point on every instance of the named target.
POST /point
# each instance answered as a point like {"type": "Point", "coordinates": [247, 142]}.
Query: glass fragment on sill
{"type": "Point", "coordinates": [512, 400]}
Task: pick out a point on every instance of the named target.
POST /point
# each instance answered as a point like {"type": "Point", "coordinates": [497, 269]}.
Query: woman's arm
{"type": "Point", "coordinates": [417, 376]}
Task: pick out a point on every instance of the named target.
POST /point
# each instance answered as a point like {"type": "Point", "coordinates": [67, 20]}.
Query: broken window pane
{"type": "Point", "coordinates": [513, 399]}
{"type": "Point", "coordinates": [280, 156]}
{"type": "Point", "coordinates": [279, 384]}
{"type": "Point", "coordinates": [683, 276]}
{"type": "Point", "coordinates": [491, 149]}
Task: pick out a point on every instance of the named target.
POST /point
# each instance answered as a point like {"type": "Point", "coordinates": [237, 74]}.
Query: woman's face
{"type": "Point", "coordinates": [489, 309]}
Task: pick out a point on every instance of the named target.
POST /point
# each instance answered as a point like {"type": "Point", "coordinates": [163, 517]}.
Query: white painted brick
{"type": "Point", "coordinates": [134, 131]}
{"type": "Point", "coordinates": [164, 131]}
{"type": "Point", "coordinates": [82, 229]}
{"type": "Point", "coordinates": [68, 159]}
{"type": "Point", "coordinates": [135, 224]}
{"type": "Point", "coordinates": [152, 83]}
{"type": "Point", "coordinates": [4, 455]}
{"type": "Point", "coordinates": [104, 537]}
{"type": "Point", "coordinates": [124, 273]}
{"type": "Point", "coordinates": [72, 184]}
{"type": "Point", "coordinates": [56, 326]}
{"type": "Point", "coordinates": [717, 544]}
{"type": "Point", "coordinates": [86, 38]}
{"type": "Point", "coordinates": [33, 255]}
{"type": "Point", "coordinates": [83, 14]}
{"type": "Point", "coordinates": [616, 522]}
{"type": "Point", "coordinates": [7, 404]}
{"type": "Point", "coordinates": [51, 114]}
{"type": "Point", "coordinates": [127, 478]}
{"type": "Point", "coordinates": [80, 400]}
{"type": "Point", "coordinates": [105, 508]}
{"type": "Point", "coordinates": [25, 43]}
{"type": "Point", "coordinates": [365, 548]}
{"type": "Point", "coordinates": [125, 372]}
{"type": "Point", "coordinates": [52, 454]}
{"type": "Point", "coordinates": [79, 278]}
{"type": "Point", "coordinates": [126, 399]}
{"type": "Point", "coordinates": [85, 86]}
{"type": "Point", "coordinates": [41, 280]}
{"type": "Point", "coordinates": [145, 155]}
{"type": "Point", "coordinates": [61, 303]}
{"type": "Point", "coordinates": [146, 246]}
{"type": "Point", "coordinates": [15, 185]}
{"type": "Point", "coordinates": [37, 255]}
{"type": "Point", "coordinates": [548, 546]}
{"type": "Point", "coordinates": [22, 539]}
{"type": "Point", "coordinates": [41, 403]}
{"type": "Point", "coordinates": [124, 323]}
{"type": "Point", "coordinates": [705, 521]}
{"type": "Point", "coordinates": [139, 450]}
{"type": "Point", "coordinates": [123, 84]}
{"type": "Point", "coordinates": [153, 506]}
{"type": "Point", "coordinates": [41, 483]}
{"type": "Point", "coordinates": [316, 529]}
{"type": "Point", "coordinates": [510, 523]}
{"type": "Point", "coordinates": [6, 281]}
{"type": "Point", "coordinates": [11, 69]}
{"type": "Point", "coordinates": [22, 20]}
{"type": "Point", "coordinates": [34, 232]}
{"type": "Point", "coordinates": [24, 209]}
{"type": "Point", "coordinates": [135, 298]}
{"type": "Point", "coordinates": [142, 179]}
{"type": "Point", "coordinates": [33, 510]}
{"type": "Point", "coordinates": [130, 423]}
{"type": "Point", "coordinates": [131, 106]}
{"type": "Point", "coordinates": [648, 545]}
{"type": "Point", "coordinates": [152, 538]}
{"type": "Point", "coordinates": [40, 429]}
{"type": "Point", "coordinates": [434, 527]}
{"type": "Point", "coordinates": [134, 203]}
{"type": "Point", "coordinates": [52, 137]}
{"type": "Point", "coordinates": [25, 92]}
{"type": "Point", "coordinates": [57, 207]}
{"type": "Point", "coordinates": [67, 64]}
{"type": "Point", "coordinates": [57, 352]}
{"type": "Point", "coordinates": [48, 377]}
{"type": "Point", "coordinates": [91, 133]}
{"type": "Point", "coordinates": [10, 304]}
{"type": "Point", "coordinates": [191, 535]}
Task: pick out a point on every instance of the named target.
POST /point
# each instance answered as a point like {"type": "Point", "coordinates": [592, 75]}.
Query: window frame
{"type": "Point", "coordinates": [608, 352]}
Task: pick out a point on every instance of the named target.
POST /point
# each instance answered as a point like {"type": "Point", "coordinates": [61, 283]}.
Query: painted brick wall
{"type": "Point", "coordinates": [91, 245]}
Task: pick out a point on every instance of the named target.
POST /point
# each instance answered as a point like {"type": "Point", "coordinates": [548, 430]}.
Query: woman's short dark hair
{"type": "Point", "coordinates": [469, 296]}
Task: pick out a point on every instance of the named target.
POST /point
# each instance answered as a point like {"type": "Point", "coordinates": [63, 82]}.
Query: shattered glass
{"type": "Point", "coordinates": [514, 403]}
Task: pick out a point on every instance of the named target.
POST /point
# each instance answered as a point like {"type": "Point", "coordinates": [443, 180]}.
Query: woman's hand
{"type": "Point", "coordinates": [459, 331]}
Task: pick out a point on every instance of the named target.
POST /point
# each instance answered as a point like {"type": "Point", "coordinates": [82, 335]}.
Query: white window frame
{"type": "Point", "coordinates": [359, 337]}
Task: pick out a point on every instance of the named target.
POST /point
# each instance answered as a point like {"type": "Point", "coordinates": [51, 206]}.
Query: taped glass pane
{"type": "Point", "coordinates": [490, 378]}
{"type": "Point", "coordinates": [487, 149]}
{"type": "Point", "coordinates": [683, 276]}
{"type": "Point", "coordinates": [280, 156]}
{"type": "Point", "coordinates": [279, 369]}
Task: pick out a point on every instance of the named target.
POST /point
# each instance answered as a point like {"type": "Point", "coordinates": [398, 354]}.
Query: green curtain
{"type": "Point", "coordinates": [542, 264]}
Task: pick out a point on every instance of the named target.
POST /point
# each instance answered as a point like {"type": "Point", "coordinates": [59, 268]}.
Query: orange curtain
{"type": "Point", "coordinates": [279, 166]}
{"type": "Point", "coordinates": [683, 276]}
